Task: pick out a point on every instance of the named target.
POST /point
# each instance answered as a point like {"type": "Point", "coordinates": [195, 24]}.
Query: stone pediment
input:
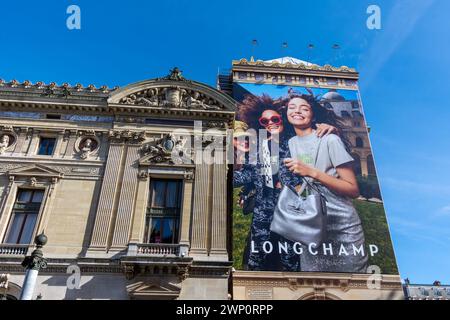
{"type": "Point", "coordinates": [35, 170]}
{"type": "Point", "coordinates": [173, 92]}
{"type": "Point", "coordinates": [153, 290]}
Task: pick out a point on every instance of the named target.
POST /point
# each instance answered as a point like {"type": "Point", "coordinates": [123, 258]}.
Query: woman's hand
{"type": "Point", "coordinates": [324, 129]}
{"type": "Point", "coordinates": [300, 168]}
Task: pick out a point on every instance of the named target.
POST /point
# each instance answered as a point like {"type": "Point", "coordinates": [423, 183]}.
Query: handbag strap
{"type": "Point", "coordinates": [305, 180]}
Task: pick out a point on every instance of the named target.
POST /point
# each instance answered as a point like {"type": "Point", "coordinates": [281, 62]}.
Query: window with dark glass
{"type": "Point", "coordinates": [46, 146]}
{"type": "Point", "coordinates": [163, 212]}
{"type": "Point", "coordinates": [24, 216]}
{"type": "Point", "coordinates": [53, 116]}
{"type": "Point", "coordinates": [359, 142]}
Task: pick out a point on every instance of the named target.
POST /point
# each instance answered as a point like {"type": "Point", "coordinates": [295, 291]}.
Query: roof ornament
{"type": "Point", "coordinates": [175, 74]}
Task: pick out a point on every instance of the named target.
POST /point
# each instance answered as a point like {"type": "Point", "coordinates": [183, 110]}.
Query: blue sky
{"type": "Point", "coordinates": [404, 78]}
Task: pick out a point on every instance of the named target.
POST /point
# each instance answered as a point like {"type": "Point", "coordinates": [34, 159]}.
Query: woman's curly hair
{"type": "Point", "coordinates": [252, 107]}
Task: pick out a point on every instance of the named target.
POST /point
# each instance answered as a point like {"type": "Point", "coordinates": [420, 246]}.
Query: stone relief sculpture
{"type": "Point", "coordinates": [194, 101]}
{"type": "Point", "coordinates": [172, 95]}
{"type": "Point", "coordinates": [87, 146]}
{"type": "Point", "coordinates": [151, 98]}
{"type": "Point", "coordinates": [6, 141]}
{"type": "Point", "coordinates": [170, 149]}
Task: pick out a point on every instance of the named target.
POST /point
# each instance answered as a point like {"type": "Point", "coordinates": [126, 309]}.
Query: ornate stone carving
{"type": "Point", "coordinates": [6, 142]}
{"type": "Point", "coordinates": [70, 170]}
{"type": "Point", "coordinates": [143, 175]}
{"type": "Point", "coordinates": [175, 74]}
{"type": "Point", "coordinates": [168, 149]}
{"type": "Point", "coordinates": [130, 119]}
{"type": "Point", "coordinates": [29, 133]}
{"type": "Point", "coordinates": [4, 167]}
{"type": "Point", "coordinates": [66, 135]}
{"type": "Point", "coordinates": [129, 271]}
{"type": "Point", "coordinates": [86, 145]}
{"type": "Point", "coordinates": [150, 98]}
{"type": "Point", "coordinates": [182, 272]}
{"type": "Point", "coordinates": [172, 95]}
{"type": "Point", "coordinates": [197, 100]}
{"type": "Point", "coordinates": [33, 181]}
{"type": "Point", "coordinates": [216, 124]}
{"type": "Point", "coordinates": [126, 136]}
{"type": "Point", "coordinates": [189, 174]}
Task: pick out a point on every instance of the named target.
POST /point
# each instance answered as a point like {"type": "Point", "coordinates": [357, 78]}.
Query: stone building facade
{"type": "Point", "coordinates": [129, 209]}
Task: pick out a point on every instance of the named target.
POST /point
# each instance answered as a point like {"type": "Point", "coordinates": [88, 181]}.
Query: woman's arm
{"type": "Point", "coordinates": [286, 177]}
{"type": "Point", "coordinates": [346, 185]}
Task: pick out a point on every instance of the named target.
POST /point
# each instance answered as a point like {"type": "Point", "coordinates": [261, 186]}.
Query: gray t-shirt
{"type": "Point", "coordinates": [332, 152]}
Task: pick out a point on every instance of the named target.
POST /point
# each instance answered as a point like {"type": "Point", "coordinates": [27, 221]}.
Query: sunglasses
{"type": "Point", "coordinates": [266, 121]}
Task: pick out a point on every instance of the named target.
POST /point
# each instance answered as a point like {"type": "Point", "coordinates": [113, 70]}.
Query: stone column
{"type": "Point", "coordinates": [199, 241]}
{"type": "Point", "coordinates": [7, 203]}
{"type": "Point", "coordinates": [186, 210]}
{"type": "Point", "coordinates": [127, 198]}
{"type": "Point", "coordinates": [140, 208]}
{"type": "Point", "coordinates": [219, 211]}
{"type": "Point", "coordinates": [105, 209]}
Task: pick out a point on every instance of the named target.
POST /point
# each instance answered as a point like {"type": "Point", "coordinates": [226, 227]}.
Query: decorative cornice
{"type": "Point", "coordinates": [288, 65]}
{"type": "Point", "coordinates": [296, 280]}
{"type": "Point", "coordinates": [52, 89]}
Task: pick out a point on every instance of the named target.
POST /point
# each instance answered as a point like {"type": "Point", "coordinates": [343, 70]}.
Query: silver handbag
{"type": "Point", "coordinates": [301, 218]}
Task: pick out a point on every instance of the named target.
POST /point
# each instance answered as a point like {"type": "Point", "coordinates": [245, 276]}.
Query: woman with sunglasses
{"type": "Point", "coordinates": [332, 173]}
{"type": "Point", "coordinates": [262, 113]}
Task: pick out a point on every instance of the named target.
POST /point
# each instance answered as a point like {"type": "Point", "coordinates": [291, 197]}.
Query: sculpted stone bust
{"type": "Point", "coordinates": [86, 147]}
{"type": "Point", "coordinates": [5, 142]}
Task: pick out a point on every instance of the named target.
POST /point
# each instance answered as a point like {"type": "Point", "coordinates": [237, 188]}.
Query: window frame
{"type": "Point", "coordinates": [40, 143]}
{"type": "Point", "coordinates": [24, 212]}
{"type": "Point", "coordinates": [165, 214]}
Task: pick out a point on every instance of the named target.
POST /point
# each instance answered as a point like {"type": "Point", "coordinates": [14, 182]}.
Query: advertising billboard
{"type": "Point", "coordinates": [306, 195]}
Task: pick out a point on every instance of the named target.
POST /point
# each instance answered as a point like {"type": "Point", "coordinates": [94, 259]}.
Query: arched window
{"type": "Point", "coordinates": [357, 164]}
{"type": "Point", "coordinates": [359, 142]}
{"type": "Point", "coordinates": [370, 166]}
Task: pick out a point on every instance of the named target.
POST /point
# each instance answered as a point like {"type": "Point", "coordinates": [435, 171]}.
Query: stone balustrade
{"type": "Point", "coordinates": [157, 249]}
{"type": "Point", "coordinates": [13, 249]}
